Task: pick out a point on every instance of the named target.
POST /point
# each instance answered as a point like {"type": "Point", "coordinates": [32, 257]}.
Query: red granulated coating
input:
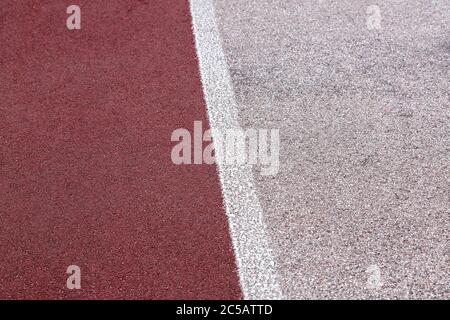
{"type": "Point", "coordinates": [86, 176]}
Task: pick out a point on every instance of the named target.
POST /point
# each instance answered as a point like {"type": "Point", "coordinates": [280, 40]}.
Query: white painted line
{"type": "Point", "coordinates": [255, 262]}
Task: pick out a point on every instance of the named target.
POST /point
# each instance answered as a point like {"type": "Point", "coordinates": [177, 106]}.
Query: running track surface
{"type": "Point", "coordinates": [86, 174]}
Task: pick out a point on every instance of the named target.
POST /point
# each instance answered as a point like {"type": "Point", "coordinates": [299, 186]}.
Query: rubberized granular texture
{"type": "Point", "coordinates": [86, 176]}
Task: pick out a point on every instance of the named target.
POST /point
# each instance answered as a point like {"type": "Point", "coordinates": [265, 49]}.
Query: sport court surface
{"type": "Point", "coordinates": [86, 174]}
{"type": "Point", "coordinates": [364, 125]}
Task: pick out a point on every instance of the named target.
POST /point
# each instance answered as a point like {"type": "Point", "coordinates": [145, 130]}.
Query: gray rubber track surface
{"type": "Point", "coordinates": [364, 123]}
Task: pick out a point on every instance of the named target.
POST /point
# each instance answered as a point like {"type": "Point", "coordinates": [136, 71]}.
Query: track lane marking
{"type": "Point", "coordinates": [254, 257]}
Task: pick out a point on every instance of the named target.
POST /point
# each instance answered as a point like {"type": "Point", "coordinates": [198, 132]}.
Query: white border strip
{"type": "Point", "coordinates": [255, 262]}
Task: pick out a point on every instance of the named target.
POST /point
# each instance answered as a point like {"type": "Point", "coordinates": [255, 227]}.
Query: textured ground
{"type": "Point", "coordinates": [86, 176]}
{"type": "Point", "coordinates": [363, 117]}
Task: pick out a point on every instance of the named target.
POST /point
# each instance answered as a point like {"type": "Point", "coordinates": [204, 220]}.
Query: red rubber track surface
{"type": "Point", "coordinates": [85, 171]}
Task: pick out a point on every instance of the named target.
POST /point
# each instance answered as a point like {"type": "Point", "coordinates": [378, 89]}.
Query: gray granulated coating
{"type": "Point", "coordinates": [364, 124]}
